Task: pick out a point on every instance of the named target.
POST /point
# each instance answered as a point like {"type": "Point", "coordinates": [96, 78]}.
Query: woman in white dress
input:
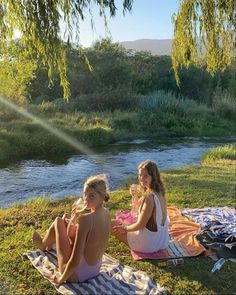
{"type": "Point", "coordinates": [150, 232]}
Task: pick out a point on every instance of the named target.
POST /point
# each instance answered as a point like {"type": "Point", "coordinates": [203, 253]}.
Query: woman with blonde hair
{"type": "Point", "coordinates": [150, 232]}
{"type": "Point", "coordinates": [81, 243]}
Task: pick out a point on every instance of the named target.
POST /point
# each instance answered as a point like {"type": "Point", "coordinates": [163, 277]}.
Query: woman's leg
{"type": "Point", "coordinates": [48, 240]}
{"type": "Point", "coordinates": [64, 247]}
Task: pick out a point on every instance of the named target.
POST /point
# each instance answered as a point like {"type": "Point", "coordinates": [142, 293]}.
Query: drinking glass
{"type": "Point", "coordinates": [134, 191]}
{"type": "Point", "coordinates": [78, 207]}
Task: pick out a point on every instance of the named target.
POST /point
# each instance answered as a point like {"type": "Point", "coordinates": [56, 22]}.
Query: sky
{"type": "Point", "coordinates": [149, 19]}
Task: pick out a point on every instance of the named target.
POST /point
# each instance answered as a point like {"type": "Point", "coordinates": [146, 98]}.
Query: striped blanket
{"type": "Point", "coordinates": [114, 277]}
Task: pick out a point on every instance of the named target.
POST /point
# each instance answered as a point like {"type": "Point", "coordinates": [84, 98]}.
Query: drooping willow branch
{"type": "Point", "coordinates": [204, 34]}
{"type": "Point", "coordinates": [206, 24]}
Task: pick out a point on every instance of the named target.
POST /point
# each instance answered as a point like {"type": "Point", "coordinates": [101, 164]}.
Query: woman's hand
{"type": "Point", "coordinates": [119, 229]}
{"type": "Point", "coordinates": [66, 217]}
{"type": "Point", "coordinates": [74, 208]}
{"type": "Point", "coordinates": [134, 190]}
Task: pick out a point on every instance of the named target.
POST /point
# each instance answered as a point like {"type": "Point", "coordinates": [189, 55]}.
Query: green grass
{"type": "Point", "coordinates": [225, 153]}
{"type": "Point", "coordinates": [194, 186]}
{"type": "Point", "coordinates": [159, 114]}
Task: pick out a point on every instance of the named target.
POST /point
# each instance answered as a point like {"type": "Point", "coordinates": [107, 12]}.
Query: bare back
{"type": "Point", "coordinates": [99, 233]}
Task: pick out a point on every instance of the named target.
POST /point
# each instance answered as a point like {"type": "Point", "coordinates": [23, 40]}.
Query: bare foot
{"type": "Point", "coordinates": [37, 240]}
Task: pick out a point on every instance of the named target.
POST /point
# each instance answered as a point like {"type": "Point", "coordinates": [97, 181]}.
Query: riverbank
{"type": "Point", "coordinates": [208, 184]}
{"type": "Point", "coordinates": [61, 133]}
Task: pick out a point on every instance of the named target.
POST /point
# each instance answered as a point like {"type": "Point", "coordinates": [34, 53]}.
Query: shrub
{"type": "Point", "coordinates": [125, 120]}
{"type": "Point", "coordinates": [107, 99]}
{"type": "Point", "coordinates": [166, 102]}
{"type": "Point", "coordinates": [225, 107]}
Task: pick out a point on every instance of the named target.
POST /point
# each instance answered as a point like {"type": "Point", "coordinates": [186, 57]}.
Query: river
{"type": "Point", "coordinates": [64, 176]}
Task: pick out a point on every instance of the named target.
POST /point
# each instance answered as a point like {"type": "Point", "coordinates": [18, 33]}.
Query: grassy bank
{"type": "Point", "coordinates": [158, 114]}
{"type": "Point", "coordinates": [194, 186]}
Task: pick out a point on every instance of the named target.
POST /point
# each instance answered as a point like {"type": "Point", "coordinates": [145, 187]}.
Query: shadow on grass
{"type": "Point", "coordinates": [199, 269]}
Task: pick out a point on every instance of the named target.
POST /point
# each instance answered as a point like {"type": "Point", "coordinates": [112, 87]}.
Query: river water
{"type": "Point", "coordinates": [60, 177]}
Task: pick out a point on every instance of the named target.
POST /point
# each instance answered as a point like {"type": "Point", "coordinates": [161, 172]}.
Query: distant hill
{"type": "Point", "coordinates": [155, 46]}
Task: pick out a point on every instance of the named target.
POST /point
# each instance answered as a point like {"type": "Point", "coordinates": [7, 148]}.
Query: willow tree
{"type": "Point", "coordinates": [43, 24]}
{"type": "Point", "coordinates": [204, 34]}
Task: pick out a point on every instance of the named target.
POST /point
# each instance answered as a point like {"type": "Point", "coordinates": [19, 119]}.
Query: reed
{"type": "Point", "coordinates": [222, 153]}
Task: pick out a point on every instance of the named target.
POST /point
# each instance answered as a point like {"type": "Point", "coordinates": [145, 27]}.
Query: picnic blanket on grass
{"type": "Point", "coordinates": [182, 233]}
{"type": "Point", "coordinates": [224, 216]}
{"type": "Point", "coordinates": [218, 229]}
{"type": "Point", "coordinates": [114, 277]}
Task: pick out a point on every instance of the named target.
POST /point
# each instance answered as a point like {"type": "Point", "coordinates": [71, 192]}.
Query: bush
{"type": "Point", "coordinates": [166, 102]}
{"type": "Point", "coordinates": [125, 120]}
{"type": "Point", "coordinates": [107, 99]}
{"type": "Point", "coordinates": [225, 107]}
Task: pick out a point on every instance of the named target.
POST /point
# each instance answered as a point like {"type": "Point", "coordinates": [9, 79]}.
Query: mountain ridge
{"type": "Point", "coordinates": [155, 46]}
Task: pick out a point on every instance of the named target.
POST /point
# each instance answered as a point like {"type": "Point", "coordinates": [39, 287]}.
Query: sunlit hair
{"type": "Point", "coordinates": [99, 184]}
{"type": "Point", "coordinates": [152, 170]}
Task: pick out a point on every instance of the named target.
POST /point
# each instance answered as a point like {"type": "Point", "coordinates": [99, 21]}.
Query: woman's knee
{"type": "Point", "coordinates": [59, 222]}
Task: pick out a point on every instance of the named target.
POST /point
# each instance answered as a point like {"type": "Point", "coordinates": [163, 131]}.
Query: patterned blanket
{"type": "Point", "coordinates": [114, 277]}
{"type": "Point", "coordinates": [226, 216]}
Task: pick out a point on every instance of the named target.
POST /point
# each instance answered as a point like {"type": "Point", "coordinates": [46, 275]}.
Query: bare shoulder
{"type": "Point", "coordinates": [148, 201]}
{"type": "Point", "coordinates": [84, 220]}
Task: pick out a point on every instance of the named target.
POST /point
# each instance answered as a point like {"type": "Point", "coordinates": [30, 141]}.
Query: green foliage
{"type": "Point", "coordinates": [144, 67]}
{"type": "Point", "coordinates": [107, 99]}
{"type": "Point", "coordinates": [158, 114]}
{"type": "Point", "coordinates": [227, 152]}
{"type": "Point", "coordinates": [209, 25]}
{"type": "Point", "coordinates": [117, 77]}
{"type": "Point", "coordinates": [224, 103]}
{"type": "Point", "coordinates": [16, 72]}
{"type": "Point", "coordinates": [127, 121]}
{"type": "Point", "coordinates": [42, 23]}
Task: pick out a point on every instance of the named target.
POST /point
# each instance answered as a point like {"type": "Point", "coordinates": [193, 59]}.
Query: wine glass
{"type": "Point", "coordinates": [134, 191]}
{"type": "Point", "coordinates": [78, 207]}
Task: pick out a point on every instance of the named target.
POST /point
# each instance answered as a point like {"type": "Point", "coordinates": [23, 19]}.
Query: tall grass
{"type": "Point", "coordinates": [225, 106]}
{"type": "Point", "coordinates": [167, 102]}
{"type": "Point", "coordinates": [227, 152]}
{"type": "Point", "coordinates": [181, 116]}
{"type": "Point", "coordinates": [157, 114]}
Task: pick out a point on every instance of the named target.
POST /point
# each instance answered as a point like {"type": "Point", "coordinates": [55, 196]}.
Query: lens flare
{"type": "Point", "coordinates": [77, 145]}
{"type": "Point", "coordinates": [82, 148]}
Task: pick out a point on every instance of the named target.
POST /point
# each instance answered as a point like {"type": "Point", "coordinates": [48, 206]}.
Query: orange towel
{"type": "Point", "coordinates": [183, 231]}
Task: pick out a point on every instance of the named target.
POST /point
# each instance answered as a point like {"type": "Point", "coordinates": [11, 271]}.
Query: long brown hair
{"type": "Point", "coordinates": [152, 169]}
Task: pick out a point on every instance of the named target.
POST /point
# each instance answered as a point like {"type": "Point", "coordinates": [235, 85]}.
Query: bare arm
{"type": "Point", "coordinates": [144, 216]}
{"type": "Point", "coordinates": [78, 248]}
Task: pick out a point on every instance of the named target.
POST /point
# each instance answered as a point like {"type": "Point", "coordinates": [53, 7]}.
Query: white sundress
{"type": "Point", "coordinates": [147, 241]}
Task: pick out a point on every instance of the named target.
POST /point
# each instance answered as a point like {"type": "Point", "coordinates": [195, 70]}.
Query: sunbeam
{"type": "Point", "coordinates": [77, 145]}
{"type": "Point", "coordinates": [82, 148]}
